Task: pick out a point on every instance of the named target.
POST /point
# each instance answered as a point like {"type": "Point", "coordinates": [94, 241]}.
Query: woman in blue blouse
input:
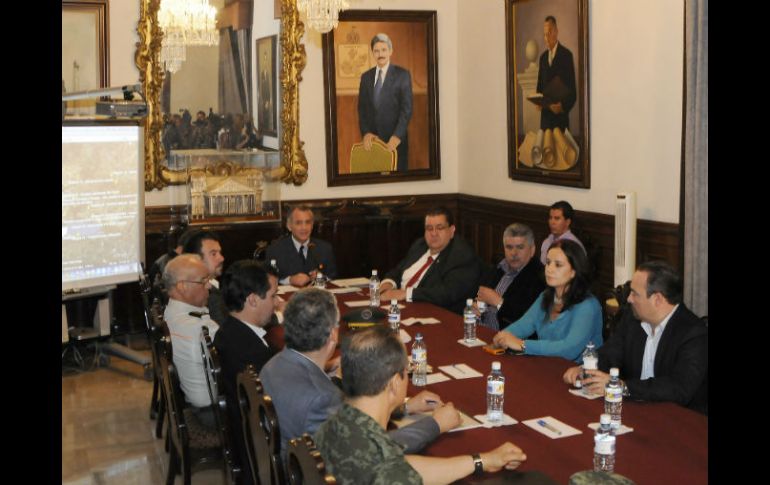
{"type": "Point", "coordinates": [565, 316]}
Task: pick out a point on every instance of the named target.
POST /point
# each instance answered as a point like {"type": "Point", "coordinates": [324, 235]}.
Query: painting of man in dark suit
{"type": "Point", "coordinates": [555, 77]}
{"type": "Point", "coordinates": [385, 102]}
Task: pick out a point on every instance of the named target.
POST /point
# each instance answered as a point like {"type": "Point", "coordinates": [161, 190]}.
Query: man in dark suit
{"type": "Point", "coordinates": [515, 283]}
{"type": "Point", "coordinates": [385, 102]}
{"type": "Point", "coordinates": [249, 294]}
{"type": "Point", "coordinates": [661, 350]}
{"type": "Point", "coordinates": [440, 268]}
{"type": "Point", "coordinates": [305, 396]}
{"type": "Point", "coordinates": [556, 62]}
{"type": "Point", "coordinates": [206, 245]}
{"type": "Point", "coordinates": [298, 258]}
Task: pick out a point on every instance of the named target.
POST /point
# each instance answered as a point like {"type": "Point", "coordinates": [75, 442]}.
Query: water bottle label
{"type": "Point", "coordinates": [496, 388]}
{"type": "Point", "coordinates": [470, 319]}
{"type": "Point", "coordinates": [604, 446]}
{"type": "Point", "coordinates": [419, 355]}
{"type": "Point", "coordinates": [613, 394]}
{"type": "Point", "coordinates": [394, 318]}
{"type": "Point", "coordinates": [590, 363]}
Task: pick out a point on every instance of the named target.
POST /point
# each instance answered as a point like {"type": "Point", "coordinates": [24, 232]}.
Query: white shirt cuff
{"type": "Point", "coordinates": [409, 294]}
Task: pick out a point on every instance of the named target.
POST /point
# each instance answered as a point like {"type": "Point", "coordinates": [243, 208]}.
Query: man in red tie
{"type": "Point", "coordinates": [440, 268]}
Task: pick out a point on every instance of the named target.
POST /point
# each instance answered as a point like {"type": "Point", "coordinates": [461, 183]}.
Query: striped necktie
{"type": "Point", "coordinates": [378, 87]}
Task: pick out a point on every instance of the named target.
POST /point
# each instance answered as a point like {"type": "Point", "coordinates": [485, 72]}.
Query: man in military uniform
{"type": "Point", "coordinates": [354, 444]}
{"type": "Point", "coordinates": [186, 279]}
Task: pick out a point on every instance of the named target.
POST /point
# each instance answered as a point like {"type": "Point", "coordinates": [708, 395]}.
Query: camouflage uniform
{"type": "Point", "coordinates": [357, 451]}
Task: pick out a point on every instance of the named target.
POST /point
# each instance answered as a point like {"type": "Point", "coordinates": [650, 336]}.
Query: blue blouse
{"type": "Point", "coordinates": [566, 336]}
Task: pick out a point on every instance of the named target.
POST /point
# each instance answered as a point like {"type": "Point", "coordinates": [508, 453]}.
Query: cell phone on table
{"type": "Point", "coordinates": [494, 349]}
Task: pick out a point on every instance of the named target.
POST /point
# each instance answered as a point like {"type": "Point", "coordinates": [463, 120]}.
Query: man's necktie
{"type": "Point", "coordinates": [302, 254]}
{"type": "Point", "coordinates": [378, 87]}
{"type": "Point", "coordinates": [414, 279]}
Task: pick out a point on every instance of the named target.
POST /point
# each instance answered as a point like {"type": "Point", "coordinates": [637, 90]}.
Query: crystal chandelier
{"type": "Point", "coordinates": [184, 23]}
{"type": "Point", "coordinates": [322, 15]}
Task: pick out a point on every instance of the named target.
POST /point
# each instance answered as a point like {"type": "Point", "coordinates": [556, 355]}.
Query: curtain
{"type": "Point", "coordinates": [234, 71]}
{"type": "Point", "coordinates": [696, 173]}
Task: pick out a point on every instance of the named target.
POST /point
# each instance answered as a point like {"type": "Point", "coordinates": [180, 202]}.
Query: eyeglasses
{"type": "Point", "coordinates": [204, 281]}
{"type": "Point", "coordinates": [438, 227]}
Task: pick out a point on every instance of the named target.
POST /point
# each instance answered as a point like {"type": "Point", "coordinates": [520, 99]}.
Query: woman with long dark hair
{"type": "Point", "coordinates": [566, 316]}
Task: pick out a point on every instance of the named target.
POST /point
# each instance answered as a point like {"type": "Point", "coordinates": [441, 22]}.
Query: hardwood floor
{"type": "Point", "coordinates": [107, 433]}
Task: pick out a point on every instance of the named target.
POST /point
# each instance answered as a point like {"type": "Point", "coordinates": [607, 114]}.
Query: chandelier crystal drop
{"type": "Point", "coordinates": [322, 15]}
{"type": "Point", "coordinates": [185, 23]}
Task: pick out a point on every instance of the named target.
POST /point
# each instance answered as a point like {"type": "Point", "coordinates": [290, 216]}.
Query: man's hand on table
{"type": "Point", "coordinates": [506, 455]}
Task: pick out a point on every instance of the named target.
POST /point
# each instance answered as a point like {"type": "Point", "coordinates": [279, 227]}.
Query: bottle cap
{"type": "Point", "coordinates": [614, 372]}
{"type": "Point", "coordinates": [418, 336]}
{"type": "Point", "coordinates": [319, 275]}
{"type": "Point", "coordinates": [374, 272]}
{"type": "Point", "coordinates": [393, 302]}
{"type": "Point", "coordinates": [469, 302]}
{"type": "Point", "coordinates": [605, 419]}
{"type": "Point", "coordinates": [495, 365]}
{"type": "Point", "coordinates": [272, 262]}
{"type": "Point", "coordinates": [590, 344]}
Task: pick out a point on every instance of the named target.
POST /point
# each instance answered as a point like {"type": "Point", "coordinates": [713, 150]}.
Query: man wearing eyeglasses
{"type": "Point", "coordinates": [187, 280]}
{"type": "Point", "coordinates": [440, 268]}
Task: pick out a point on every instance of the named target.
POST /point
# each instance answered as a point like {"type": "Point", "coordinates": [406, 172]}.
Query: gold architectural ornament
{"type": "Point", "coordinates": [147, 58]}
{"type": "Point", "coordinates": [293, 60]}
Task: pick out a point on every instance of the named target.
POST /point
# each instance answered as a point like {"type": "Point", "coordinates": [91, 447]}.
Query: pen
{"type": "Point", "coordinates": [542, 423]}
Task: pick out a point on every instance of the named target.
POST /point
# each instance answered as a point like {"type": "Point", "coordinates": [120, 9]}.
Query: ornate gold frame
{"type": "Point", "coordinates": [147, 59]}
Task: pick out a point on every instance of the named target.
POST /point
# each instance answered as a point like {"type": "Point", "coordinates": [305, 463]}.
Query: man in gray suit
{"type": "Point", "coordinates": [305, 396]}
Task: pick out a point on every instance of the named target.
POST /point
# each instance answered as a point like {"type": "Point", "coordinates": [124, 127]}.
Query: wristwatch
{"type": "Point", "coordinates": [523, 346]}
{"type": "Point", "coordinates": [478, 465]}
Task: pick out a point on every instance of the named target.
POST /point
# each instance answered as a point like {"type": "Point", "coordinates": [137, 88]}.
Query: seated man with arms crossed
{"type": "Point", "coordinates": [440, 268]}
{"type": "Point", "coordinates": [353, 443]}
{"type": "Point", "coordinates": [661, 348]}
{"type": "Point", "coordinates": [186, 279]}
{"type": "Point", "coordinates": [515, 283]}
{"type": "Point", "coordinates": [298, 258]}
{"type": "Point", "coordinates": [305, 396]}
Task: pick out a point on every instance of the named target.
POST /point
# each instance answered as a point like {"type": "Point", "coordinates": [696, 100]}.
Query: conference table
{"type": "Point", "coordinates": [668, 444]}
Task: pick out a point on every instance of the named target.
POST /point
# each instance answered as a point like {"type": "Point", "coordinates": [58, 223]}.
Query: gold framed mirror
{"type": "Point", "coordinates": [292, 61]}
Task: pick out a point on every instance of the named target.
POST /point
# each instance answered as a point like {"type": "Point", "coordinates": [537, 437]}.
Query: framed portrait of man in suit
{"type": "Point", "coordinates": [267, 112]}
{"type": "Point", "coordinates": [381, 97]}
{"type": "Point", "coordinates": [547, 57]}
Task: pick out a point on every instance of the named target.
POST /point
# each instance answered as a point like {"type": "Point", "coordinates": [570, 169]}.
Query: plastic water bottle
{"type": "Point", "coordinates": [590, 362]}
{"type": "Point", "coordinates": [320, 280]}
{"type": "Point", "coordinates": [604, 445]}
{"type": "Point", "coordinates": [469, 319]}
{"type": "Point", "coordinates": [394, 316]}
{"type": "Point", "coordinates": [420, 361]}
{"type": "Point", "coordinates": [374, 289]}
{"type": "Point", "coordinates": [613, 399]}
{"type": "Point", "coordinates": [495, 393]}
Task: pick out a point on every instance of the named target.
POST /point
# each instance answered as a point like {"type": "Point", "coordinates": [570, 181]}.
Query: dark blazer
{"type": "Point", "coordinates": [304, 397]}
{"type": "Point", "coordinates": [216, 305]}
{"type": "Point", "coordinates": [563, 67]}
{"type": "Point", "coordinates": [450, 280]}
{"type": "Point", "coordinates": [290, 263]}
{"type": "Point", "coordinates": [681, 361]}
{"type": "Point", "coordinates": [238, 346]}
{"type": "Point", "coordinates": [392, 115]}
{"type": "Point", "coordinates": [521, 293]}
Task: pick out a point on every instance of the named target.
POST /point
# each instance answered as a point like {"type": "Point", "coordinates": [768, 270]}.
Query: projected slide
{"type": "Point", "coordinates": [101, 205]}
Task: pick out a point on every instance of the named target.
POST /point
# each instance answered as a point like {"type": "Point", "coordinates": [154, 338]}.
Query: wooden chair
{"type": "Point", "coordinates": [378, 159]}
{"type": "Point", "coordinates": [260, 429]}
{"type": "Point", "coordinates": [213, 368]}
{"type": "Point", "coordinates": [158, 331]}
{"type": "Point", "coordinates": [145, 292]}
{"type": "Point", "coordinates": [304, 464]}
{"type": "Point", "coordinates": [191, 446]}
{"type": "Point", "coordinates": [611, 320]}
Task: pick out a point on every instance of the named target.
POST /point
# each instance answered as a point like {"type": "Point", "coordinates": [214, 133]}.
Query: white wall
{"type": "Point", "coordinates": [635, 81]}
{"type": "Point", "coordinates": [635, 105]}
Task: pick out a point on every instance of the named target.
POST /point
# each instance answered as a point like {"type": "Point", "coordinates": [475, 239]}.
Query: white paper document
{"type": "Point", "coordinates": [286, 289]}
{"type": "Point", "coordinates": [623, 428]}
{"type": "Point", "coordinates": [460, 371]}
{"type": "Point", "coordinates": [338, 291]}
{"type": "Point", "coordinates": [351, 282]}
{"type": "Point", "coordinates": [466, 422]}
{"type": "Point", "coordinates": [357, 303]}
{"type": "Point", "coordinates": [579, 393]}
{"type": "Point", "coordinates": [423, 320]}
{"type": "Point", "coordinates": [476, 343]}
{"type": "Point", "coordinates": [437, 377]}
{"type": "Point", "coordinates": [506, 421]}
{"type": "Point", "coordinates": [551, 427]}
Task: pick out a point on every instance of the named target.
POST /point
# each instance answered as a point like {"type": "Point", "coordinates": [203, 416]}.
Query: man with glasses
{"type": "Point", "coordinates": [186, 279]}
{"type": "Point", "coordinates": [440, 268]}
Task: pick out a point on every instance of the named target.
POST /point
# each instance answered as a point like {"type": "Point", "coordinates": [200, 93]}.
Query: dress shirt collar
{"type": "Point", "coordinates": [178, 306]}
{"type": "Point", "coordinates": [552, 53]}
{"type": "Point", "coordinates": [506, 268]}
{"type": "Point", "coordinates": [308, 359]}
{"type": "Point", "coordinates": [257, 330]}
{"type": "Point", "coordinates": [297, 244]}
{"type": "Point", "coordinates": [384, 73]}
{"type": "Point", "coordinates": [661, 326]}
{"type": "Point", "coordinates": [214, 282]}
